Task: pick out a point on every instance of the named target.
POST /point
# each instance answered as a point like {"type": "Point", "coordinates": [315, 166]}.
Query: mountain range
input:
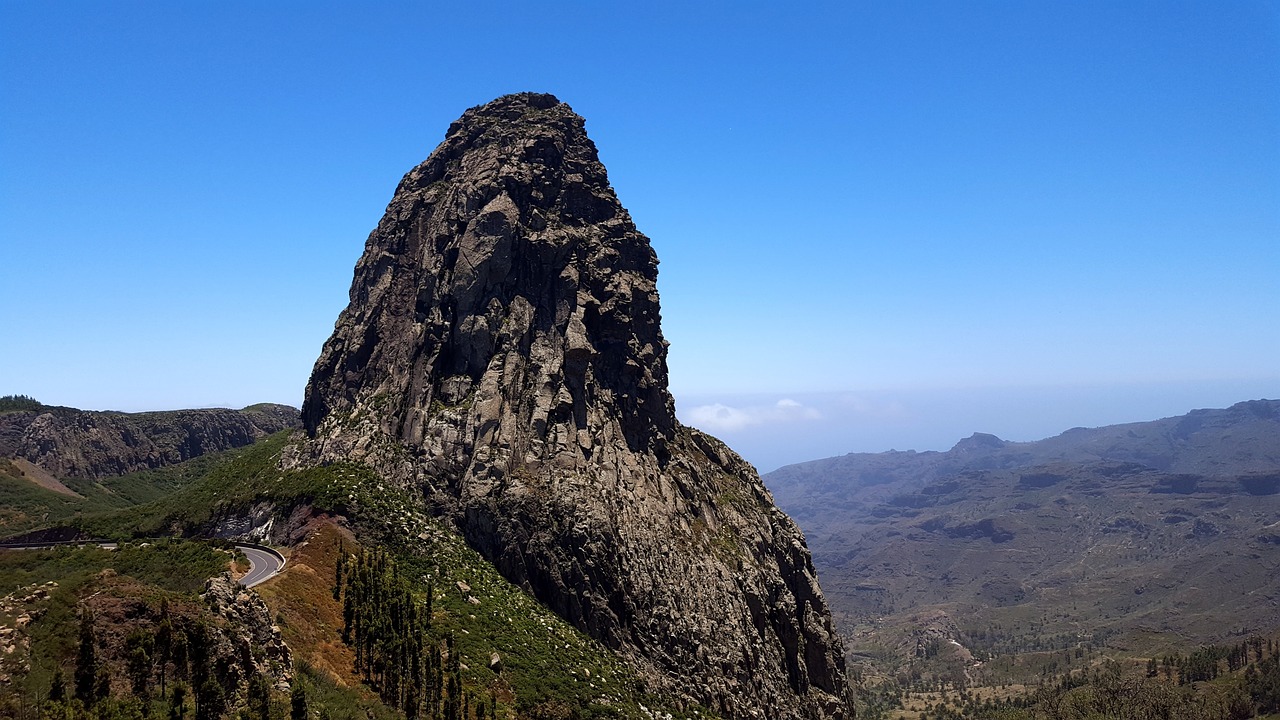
{"type": "Point", "coordinates": [1143, 536]}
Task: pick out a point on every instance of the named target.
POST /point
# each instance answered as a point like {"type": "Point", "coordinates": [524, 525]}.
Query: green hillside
{"type": "Point", "coordinates": [514, 657]}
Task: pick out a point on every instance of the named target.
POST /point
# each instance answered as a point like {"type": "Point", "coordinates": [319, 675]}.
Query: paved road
{"type": "Point", "coordinates": [263, 565]}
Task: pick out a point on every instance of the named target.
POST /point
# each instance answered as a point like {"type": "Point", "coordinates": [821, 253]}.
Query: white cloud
{"type": "Point", "coordinates": [718, 417]}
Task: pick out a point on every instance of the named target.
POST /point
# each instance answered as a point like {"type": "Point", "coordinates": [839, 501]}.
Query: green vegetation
{"type": "Point", "coordinates": [1210, 683]}
{"type": "Point", "coordinates": [26, 506]}
{"type": "Point", "coordinates": [318, 691]}
{"type": "Point", "coordinates": [491, 647]}
{"type": "Point", "coordinates": [65, 653]}
{"type": "Point", "coordinates": [388, 628]}
{"type": "Point", "coordinates": [150, 485]}
{"type": "Point", "coordinates": [453, 637]}
{"type": "Point", "coordinates": [226, 484]}
{"type": "Point", "coordinates": [18, 403]}
{"type": "Point", "coordinates": [172, 565]}
{"type": "Point", "coordinates": [162, 664]}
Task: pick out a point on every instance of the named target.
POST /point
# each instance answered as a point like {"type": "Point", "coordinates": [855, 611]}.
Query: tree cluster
{"type": "Point", "coordinates": [396, 652]}
{"type": "Point", "coordinates": [11, 403]}
{"type": "Point", "coordinates": [1226, 682]}
{"type": "Point", "coordinates": [1207, 663]}
{"type": "Point", "coordinates": [174, 662]}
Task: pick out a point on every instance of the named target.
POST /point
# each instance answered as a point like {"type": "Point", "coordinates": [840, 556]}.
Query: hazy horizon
{"type": "Point", "coordinates": [885, 202]}
{"type": "Point", "coordinates": [771, 430]}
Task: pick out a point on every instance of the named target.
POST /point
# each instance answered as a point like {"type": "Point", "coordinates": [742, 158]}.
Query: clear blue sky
{"type": "Point", "coordinates": [881, 224]}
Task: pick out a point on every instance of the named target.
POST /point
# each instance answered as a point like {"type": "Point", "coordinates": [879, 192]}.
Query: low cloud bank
{"type": "Point", "coordinates": [771, 432]}
{"type": "Point", "coordinates": [718, 417]}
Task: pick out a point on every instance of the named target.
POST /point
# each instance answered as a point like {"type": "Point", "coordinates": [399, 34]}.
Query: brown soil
{"type": "Point", "coordinates": [41, 477]}
{"type": "Point", "coordinates": [302, 596]}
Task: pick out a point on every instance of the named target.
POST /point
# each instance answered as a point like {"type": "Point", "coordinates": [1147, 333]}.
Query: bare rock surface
{"type": "Point", "coordinates": [501, 356]}
{"type": "Point", "coordinates": [70, 443]}
{"type": "Point", "coordinates": [248, 625]}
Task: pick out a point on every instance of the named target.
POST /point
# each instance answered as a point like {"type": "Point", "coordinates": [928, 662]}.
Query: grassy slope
{"type": "Point", "coordinates": [547, 665]}
{"type": "Point", "coordinates": [25, 506]}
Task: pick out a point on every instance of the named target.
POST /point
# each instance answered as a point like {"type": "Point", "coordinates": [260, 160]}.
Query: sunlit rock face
{"type": "Point", "coordinates": [502, 356]}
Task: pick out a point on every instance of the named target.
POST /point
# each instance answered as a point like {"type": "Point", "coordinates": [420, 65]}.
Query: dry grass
{"type": "Point", "coordinates": [916, 703]}
{"type": "Point", "coordinates": [302, 596]}
{"type": "Point", "coordinates": [41, 477]}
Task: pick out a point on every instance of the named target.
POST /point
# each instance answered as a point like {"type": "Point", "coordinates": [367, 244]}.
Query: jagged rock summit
{"type": "Point", "coordinates": [502, 355]}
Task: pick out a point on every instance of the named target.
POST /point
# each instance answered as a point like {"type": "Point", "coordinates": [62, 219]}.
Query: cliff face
{"type": "Point", "coordinates": [502, 354]}
{"type": "Point", "coordinates": [82, 444]}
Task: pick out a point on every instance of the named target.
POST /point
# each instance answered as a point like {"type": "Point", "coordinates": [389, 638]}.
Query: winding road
{"type": "Point", "coordinates": [264, 564]}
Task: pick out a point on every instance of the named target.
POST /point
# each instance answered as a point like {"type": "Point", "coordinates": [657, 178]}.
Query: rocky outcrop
{"type": "Point", "coordinates": [248, 632]}
{"type": "Point", "coordinates": [502, 355]}
{"type": "Point", "coordinates": [70, 443]}
{"type": "Point", "coordinates": [226, 634]}
{"type": "Point", "coordinates": [18, 610]}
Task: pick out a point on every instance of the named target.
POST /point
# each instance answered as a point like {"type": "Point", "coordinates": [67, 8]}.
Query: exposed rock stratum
{"type": "Point", "coordinates": [501, 355]}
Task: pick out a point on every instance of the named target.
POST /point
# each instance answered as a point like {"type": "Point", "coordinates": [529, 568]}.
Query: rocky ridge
{"type": "Point", "coordinates": [71, 443]}
{"type": "Point", "coordinates": [502, 357]}
{"type": "Point", "coordinates": [1228, 445]}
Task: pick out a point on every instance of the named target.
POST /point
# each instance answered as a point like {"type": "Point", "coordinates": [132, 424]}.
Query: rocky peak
{"type": "Point", "coordinates": [507, 245]}
{"type": "Point", "coordinates": [978, 443]}
{"type": "Point", "coordinates": [248, 626]}
{"type": "Point", "coordinates": [502, 355]}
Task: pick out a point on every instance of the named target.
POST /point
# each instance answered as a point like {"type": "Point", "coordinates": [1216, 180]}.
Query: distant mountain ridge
{"type": "Point", "coordinates": [1170, 526]}
{"type": "Point", "coordinates": [70, 443]}
{"type": "Point", "coordinates": [1191, 443]}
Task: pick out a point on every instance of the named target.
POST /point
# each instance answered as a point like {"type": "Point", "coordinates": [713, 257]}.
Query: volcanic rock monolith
{"type": "Point", "coordinates": [501, 355]}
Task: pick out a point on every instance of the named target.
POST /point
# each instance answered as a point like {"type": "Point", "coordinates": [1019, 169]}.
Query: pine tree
{"type": "Point", "coordinates": [102, 684]}
{"type": "Point", "coordinates": [164, 644]}
{"type": "Point", "coordinates": [204, 687]}
{"type": "Point", "coordinates": [178, 702]}
{"type": "Point", "coordinates": [210, 700]}
{"type": "Point", "coordinates": [387, 627]}
{"type": "Point", "coordinates": [297, 703]}
{"type": "Point", "coordinates": [138, 648]}
{"type": "Point", "coordinates": [181, 656]}
{"type": "Point", "coordinates": [58, 688]}
{"type": "Point", "coordinates": [86, 659]}
{"type": "Point", "coordinates": [453, 696]}
{"type": "Point", "coordinates": [338, 569]}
